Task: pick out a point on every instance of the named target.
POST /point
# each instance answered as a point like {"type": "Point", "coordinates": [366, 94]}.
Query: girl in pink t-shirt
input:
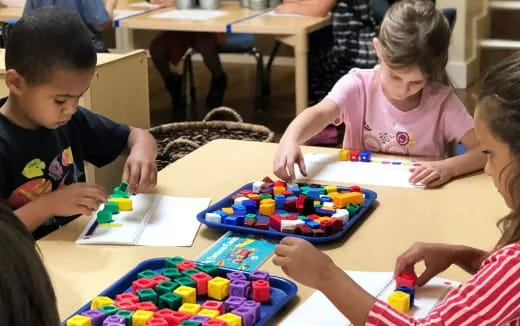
{"type": "Point", "coordinates": [403, 106]}
{"type": "Point", "coordinates": [492, 294]}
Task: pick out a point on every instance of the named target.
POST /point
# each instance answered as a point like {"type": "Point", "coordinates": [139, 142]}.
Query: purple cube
{"type": "Point", "coordinates": [114, 321]}
{"type": "Point", "coordinates": [236, 276]}
{"type": "Point", "coordinates": [248, 315]}
{"type": "Point", "coordinates": [96, 317]}
{"type": "Point", "coordinates": [200, 319]}
{"type": "Point", "coordinates": [255, 306]}
{"type": "Point", "coordinates": [259, 275]}
{"type": "Point", "coordinates": [233, 303]}
{"type": "Point", "coordinates": [240, 288]}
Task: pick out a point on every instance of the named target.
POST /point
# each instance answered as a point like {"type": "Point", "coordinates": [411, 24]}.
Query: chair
{"type": "Point", "coordinates": [4, 33]}
{"type": "Point", "coordinates": [234, 43]}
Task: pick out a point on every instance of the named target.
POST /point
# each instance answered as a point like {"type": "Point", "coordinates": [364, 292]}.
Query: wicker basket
{"type": "Point", "coordinates": [178, 139]}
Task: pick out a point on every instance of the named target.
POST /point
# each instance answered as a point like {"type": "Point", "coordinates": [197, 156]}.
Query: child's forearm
{"type": "Point", "coordinates": [350, 299]}
{"type": "Point", "coordinates": [472, 160]}
{"type": "Point", "coordinates": [34, 213]}
{"type": "Point", "coordinates": [141, 140]}
{"type": "Point", "coordinates": [468, 258]}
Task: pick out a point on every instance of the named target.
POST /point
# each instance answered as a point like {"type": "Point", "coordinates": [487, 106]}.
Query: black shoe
{"type": "Point", "coordinates": [173, 83]}
{"type": "Point", "coordinates": [216, 92]}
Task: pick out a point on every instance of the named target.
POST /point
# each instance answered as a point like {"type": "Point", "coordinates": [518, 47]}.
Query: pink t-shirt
{"type": "Point", "coordinates": [374, 124]}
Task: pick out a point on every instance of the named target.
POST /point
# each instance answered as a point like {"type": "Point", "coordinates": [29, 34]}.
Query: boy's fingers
{"type": "Point", "coordinates": [280, 261]}
{"type": "Point", "coordinates": [427, 275]}
{"type": "Point", "coordinates": [135, 175]}
{"type": "Point", "coordinates": [303, 168]}
{"type": "Point", "coordinates": [282, 250]}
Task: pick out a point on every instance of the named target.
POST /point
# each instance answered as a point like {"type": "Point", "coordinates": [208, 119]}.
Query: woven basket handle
{"type": "Point", "coordinates": [223, 111]}
{"type": "Point", "coordinates": [180, 141]}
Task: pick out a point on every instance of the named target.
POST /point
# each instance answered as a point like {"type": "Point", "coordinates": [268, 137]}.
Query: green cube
{"type": "Point", "coordinates": [304, 190]}
{"type": "Point", "coordinates": [171, 272]}
{"type": "Point", "coordinates": [112, 207]}
{"type": "Point", "coordinates": [170, 300]}
{"type": "Point", "coordinates": [250, 216]}
{"type": "Point", "coordinates": [303, 218]}
{"type": "Point", "coordinates": [109, 309]}
{"type": "Point", "coordinates": [190, 323]}
{"type": "Point", "coordinates": [209, 269]}
{"type": "Point", "coordinates": [322, 191]}
{"type": "Point", "coordinates": [317, 205]}
{"type": "Point", "coordinates": [186, 281]}
{"type": "Point", "coordinates": [127, 315]}
{"type": "Point", "coordinates": [118, 195]}
{"type": "Point", "coordinates": [123, 187]}
{"type": "Point", "coordinates": [284, 215]}
{"type": "Point", "coordinates": [147, 273]}
{"type": "Point", "coordinates": [104, 216]}
{"type": "Point", "coordinates": [190, 272]}
{"type": "Point", "coordinates": [266, 196]}
{"type": "Point", "coordinates": [352, 209]}
{"type": "Point", "coordinates": [166, 287]}
{"type": "Point", "coordinates": [147, 295]}
{"type": "Point", "coordinates": [173, 261]}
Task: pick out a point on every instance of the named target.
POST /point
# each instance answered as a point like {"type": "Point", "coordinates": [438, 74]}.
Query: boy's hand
{"type": "Point", "coordinates": [140, 172]}
{"type": "Point", "coordinates": [431, 174]}
{"type": "Point", "coordinates": [288, 154]}
{"type": "Point", "coordinates": [77, 198]}
{"type": "Point", "coordinates": [301, 261]}
{"type": "Point", "coordinates": [437, 258]}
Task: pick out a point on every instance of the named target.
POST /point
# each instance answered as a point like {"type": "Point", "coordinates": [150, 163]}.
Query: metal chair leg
{"type": "Point", "coordinates": [259, 89]}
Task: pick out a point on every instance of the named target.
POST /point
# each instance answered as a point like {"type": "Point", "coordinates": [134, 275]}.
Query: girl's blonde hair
{"type": "Point", "coordinates": [413, 32]}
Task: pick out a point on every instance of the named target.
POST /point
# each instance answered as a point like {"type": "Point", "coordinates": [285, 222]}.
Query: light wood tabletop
{"type": "Point", "coordinates": [10, 13]}
{"type": "Point", "coordinates": [464, 211]}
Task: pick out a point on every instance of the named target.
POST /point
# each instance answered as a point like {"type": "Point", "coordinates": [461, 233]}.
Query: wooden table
{"type": "Point", "coordinates": [464, 211]}
{"type": "Point", "coordinates": [10, 13]}
{"type": "Point", "coordinates": [288, 29]}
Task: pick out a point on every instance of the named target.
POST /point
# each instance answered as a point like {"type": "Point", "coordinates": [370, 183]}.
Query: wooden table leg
{"type": "Point", "coordinates": [124, 39]}
{"type": "Point", "coordinates": [301, 74]}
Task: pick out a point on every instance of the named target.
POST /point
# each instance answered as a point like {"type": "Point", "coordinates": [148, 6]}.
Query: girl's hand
{"type": "Point", "coordinates": [431, 174]}
{"type": "Point", "coordinates": [288, 154]}
{"type": "Point", "coordinates": [302, 262]}
{"type": "Point", "coordinates": [436, 257]}
{"type": "Point", "coordinates": [77, 198]}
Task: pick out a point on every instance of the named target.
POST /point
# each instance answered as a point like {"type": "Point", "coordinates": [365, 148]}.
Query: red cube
{"type": "Point", "coordinates": [313, 217]}
{"type": "Point", "coordinates": [159, 278]}
{"type": "Point", "coordinates": [261, 291]}
{"type": "Point", "coordinates": [126, 305]}
{"type": "Point", "coordinates": [127, 296]}
{"type": "Point", "coordinates": [326, 226]}
{"type": "Point", "coordinates": [275, 221]}
{"type": "Point", "coordinates": [406, 279]}
{"type": "Point", "coordinates": [303, 229]}
{"type": "Point", "coordinates": [166, 314]}
{"type": "Point", "coordinates": [146, 305]}
{"type": "Point", "coordinates": [180, 316]}
{"type": "Point", "coordinates": [249, 223]}
{"type": "Point", "coordinates": [291, 217]}
{"type": "Point", "coordinates": [355, 188]}
{"type": "Point", "coordinates": [337, 224]}
{"type": "Point", "coordinates": [201, 279]}
{"type": "Point", "coordinates": [142, 283]}
{"type": "Point", "coordinates": [280, 183]}
{"type": "Point", "coordinates": [214, 322]}
{"type": "Point", "coordinates": [262, 225]}
{"type": "Point", "coordinates": [290, 205]}
{"type": "Point", "coordinates": [213, 305]}
{"type": "Point", "coordinates": [186, 265]}
{"type": "Point", "coordinates": [157, 322]}
{"type": "Point", "coordinates": [354, 156]}
{"type": "Point", "coordinates": [267, 180]}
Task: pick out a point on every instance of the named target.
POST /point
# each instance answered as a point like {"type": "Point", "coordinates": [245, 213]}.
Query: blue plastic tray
{"type": "Point", "coordinates": [282, 290]}
{"type": "Point", "coordinates": [370, 197]}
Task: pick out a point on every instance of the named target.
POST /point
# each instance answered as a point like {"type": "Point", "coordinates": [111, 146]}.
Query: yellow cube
{"type": "Point", "coordinates": [267, 209]}
{"type": "Point", "coordinates": [344, 154]}
{"type": "Point", "coordinates": [218, 288]}
{"type": "Point", "coordinates": [399, 301]}
{"type": "Point", "coordinates": [333, 194]}
{"type": "Point", "coordinates": [329, 189]}
{"type": "Point", "coordinates": [231, 319]}
{"type": "Point", "coordinates": [140, 317]}
{"type": "Point", "coordinates": [278, 190]}
{"type": "Point", "coordinates": [99, 302]}
{"type": "Point", "coordinates": [190, 308]}
{"type": "Point", "coordinates": [209, 312]}
{"type": "Point", "coordinates": [124, 204]}
{"type": "Point", "coordinates": [79, 320]}
{"type": "Point", "coordinates": [354, 198]}
{"type": "Point", "coordinates": [267, 201]}
{"type": "Point", "coordinates": [188, 294]}
{"type": "Point", "coordinates": [228, 210]}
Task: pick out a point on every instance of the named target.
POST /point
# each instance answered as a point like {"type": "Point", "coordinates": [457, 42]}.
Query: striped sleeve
{"type": "Point", "coordinates": [490, 297]}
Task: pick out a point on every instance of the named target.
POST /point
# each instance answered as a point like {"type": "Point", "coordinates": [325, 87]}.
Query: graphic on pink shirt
{"type": "Point", "coordinates": [399, 142]}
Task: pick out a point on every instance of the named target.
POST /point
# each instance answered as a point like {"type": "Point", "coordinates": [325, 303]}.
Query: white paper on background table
{"type": "Point", "coordinates": [144, 4]}
{"type": "Point", "coordinates": [155, 220]}
{"type": "Point", "coordinates": [327, 167]}
{"type": "Point", "coordinates": [378, 284]}
{"type": "Point", "coordinates": [124, 13]}
{"type": "Point", "coordinates": [193, 14]}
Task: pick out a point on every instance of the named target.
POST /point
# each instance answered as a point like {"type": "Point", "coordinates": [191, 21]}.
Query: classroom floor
{"type": "Point", "coordinates": [240, 95]}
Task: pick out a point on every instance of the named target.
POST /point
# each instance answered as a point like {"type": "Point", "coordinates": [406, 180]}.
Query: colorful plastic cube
{"type": "Point", "coordinates": [157, 322]}
{"type": "Point", "coordinates": [261, 291]}
{"type": "Point", "coordinates": [140, 317]}
{"type": "Point", "coordinates": [142, 283]}
{"type": "Point", "coordinates": [185, 265]}
{"type": "Point", "coordinates": [344, 154]}
{"type": "Point", "coordinates": [170, 300]}
{"type": "Point", "coordinates": [210, 269]}
{"type": "Point", "coordinates": [246, 314]}
{"type": "Point", "coordinates": [406, 279]}
{"type": "Point", "coordinates": [146, 306]}
{"type": "Point", "coordinates": [109, 310]}
{"type": "Point", "coordinates": [259, 275]}
{"type": "Point", "coordinates": [127, 305]}
{"type": "Point", "coordinates": [239, 288]}
{"type": "Point", "coordinates": [101, 301]}
{"type": "Point", "coordinates": [167, 314]}
{"type": "Point", "coordinates": [147, 273]}
{"type": "Point", "coordinates": [147, 295]}
{"type": "Point", "coordinates": [201, 280]}
{"type": "Point", "coordinates": [127, 316]}
{"type": "Point", "coordinates": [166, 287]}
{"type": "Point", "coordinates": [354, 156]}
{"type": "Point", "coordinates": [96, 317]}
{"type": "Point", "coordinates": [218, 288]}
{"type": "Point", "coordinates": [209, 313]}
{"type": "Point", "coordinates": [127, 296]}
{"type": "Point", "coordinates": [186, 281]}
{"type": "Point", "coordinates": [188, 294]}
{"type": "Point", "coordinates": [214, 322]}
{"type": "Point", "coordinates": [173, 261]}
{"type": "Point", "coordinates": [190, 308]}
{"type": "Point", "coordinates": [213, 305]}
{"type": "Point", "coordinates": [365, 156]}
{"type": "Point", "coordinates": [114, 320]}
{"type": "Point", "coordinates": [400, 301]}
{"type": "Point", "coordinates": [124, 204]}
{"type": "Point", "coordinates": [78, 320]}
{"type": "Point", "coordinates": [171, 272]}
{"type": "Point", "coordinates": [255, 307]}
{"type": "Point", "coordinates": [233, 303]}
{"type": "Point", "coordinates": [231, 319]}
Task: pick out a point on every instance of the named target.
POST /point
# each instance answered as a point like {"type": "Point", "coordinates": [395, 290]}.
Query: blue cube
{"type": "Point", "coordinates": [365, 156]}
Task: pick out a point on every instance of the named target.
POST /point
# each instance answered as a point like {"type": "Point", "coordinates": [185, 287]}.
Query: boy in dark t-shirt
{"type": "Point", "coordinates": [45, 136]}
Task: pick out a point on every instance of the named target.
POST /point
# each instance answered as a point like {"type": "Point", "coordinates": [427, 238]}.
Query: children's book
{"type": "Point", "coordinates": [379, 171]}
{"type": "Point", "coordinates": [155, 220]}
{"type": "Point", "coordinates": [239, 251]}
{"type": "Point", "coordinates": [380, 285]}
